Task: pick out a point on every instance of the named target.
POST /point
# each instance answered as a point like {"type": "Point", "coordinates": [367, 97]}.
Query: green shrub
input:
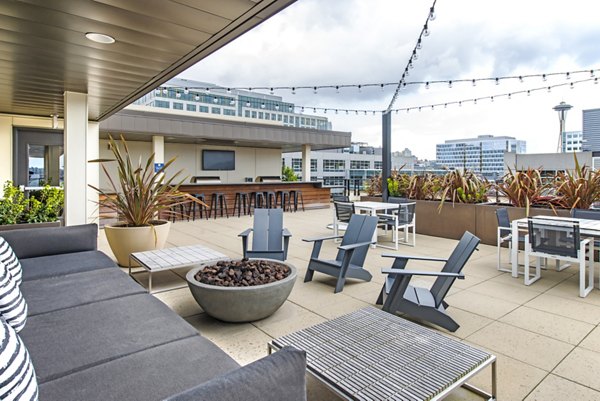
{"type": "Point", "coordinates": [288, 174]}
{"type": "Point", "coordinates": [45, 205]}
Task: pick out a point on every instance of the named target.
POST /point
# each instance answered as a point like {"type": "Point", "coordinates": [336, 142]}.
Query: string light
{"type": "Point", "coordinates": [449, 84]}
{"type": "Point", "coordinates": [186, 91]}
{"type": "Point", "coordinates": [197, 97]}
{"type": "Point", "coordinates": [177, 94]}
{"type": "Point", "coordinates": [474, 82]}
{"type": "Point", "coordinates": [427, 85]}
{"type": "Point", "coordinates": [431, 14]}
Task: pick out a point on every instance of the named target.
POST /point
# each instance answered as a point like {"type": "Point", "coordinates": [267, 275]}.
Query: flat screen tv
{"type": "Point", "coordinates": [218, 160]}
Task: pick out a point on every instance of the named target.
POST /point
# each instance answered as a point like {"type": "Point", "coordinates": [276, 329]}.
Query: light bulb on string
{"type": "Point", "coordinates": [336, 111]}
{"type": "Point", "coordinates": [431, 14]}
{"type": "Point", "coordinates": [596, 81]}
{"type": "Point", "coordinates": [271, 91]}
{"type": "Point", "coordinates": [262, 105]}
{"type": "Point", "coordinates": [549, 89]}
{"type": "Point", "coordinates": [382, 87]}
{"type": "Point", "coordinates": [474, 101]}
{"type": "Point", "coordinates": [177, 94]}
{"type": "Point", "coordinates": [410, 64]}
{"type": "Point", "coordinates": [592, 73]}
{"type": "Point", "coordinates": [509, 96]}
{"type": "Point", "coordinates": [373, 112]}
{"type": "Point", "coordinates": [544, 77]}
{"type": "Point", "coordinates": [325, 111]}
{"type": "Point", "coordinates": [426, 85]}
{"type": "Point", "coordinates": [432, 107]}
{"type": "Point", "coordinates": [359, 88]}
{"type": "Point", "coordinates": [460, 104]}
{"type": "Point", "coordinates": [247, 104]}
{"type": "Point", "coordinates": [497, 81]}
{"type": "Point", "coordinates": [365, 112]}
{"type": "Point", "coordinates": [356, 111]}
{"type": "Point", "coordinates": [407, 110]}
{"type": "Point", "coordinates": [165, 91]}
{"type": "Point", "coordinates": [520, 79]}
{"type": "Point", "coordinates": [346, 112]}
{"type": "Point", "coordinates": [215, 100]}
{"type": "Point", "coordinates": [425, 30]}
{"type": "Point", "coordinates": [197, 97]}
{"type": "Point", "coordinates": [415, 56]}
{"type": "Point", "coordinates": [337, 89]}
{"type": "Point", "coordinates": [449, 84]}
{"type": "Point", "coordinates": [474, 83]}
{"type": "Point", "coordinates": [290, 108]}
{"type": "Point", "coordinates": [315, 90]}
{"type": "Point", "coordinates": [293, 91]}
{"type": "Point", "coordinates": [419, 108]}
{"type": "Point", "coordinates": [302, 110]}
{"type": "Point", "coordinates": [208, 90]}
{"type": "Point", "coordinates": [528, 93]}
{"type": "Point", "coordinates": [157, 91]}
{"type": "Point", "coordinates": [229, 90]}
{"type": "Point", "coordinates": [277, 107]}
{"type": "Point", "coordinates": [568, 75]}
{"type": "Point", "coordinates": [572, 85]}
{"type": "Point", "coordinates": [419, 46]}
{"type": "Point", "coordinates": [314, 110]}
{"type": "Point", "coordinates": [492, 99]}
{"type": "Point", "coordinates": [232, 103]}
{"type": "Point", "coordinates": [445, 105]}
{"type": "Point", "coordinates": [186, 90]}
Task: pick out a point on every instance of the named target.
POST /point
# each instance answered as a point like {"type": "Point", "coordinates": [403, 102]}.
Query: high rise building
{"type": "Point", "coordinates": [591, 130]}
{"type": "Point", "coordinates": [214, 101]}
{"type": "Point", "coordinates": [483, 155]}
{"type": "Point", "coordinates": [572, 141]}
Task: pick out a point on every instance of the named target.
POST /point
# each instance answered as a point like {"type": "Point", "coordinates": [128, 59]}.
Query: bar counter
{"type": "Point", "coordinates": [314, 194]}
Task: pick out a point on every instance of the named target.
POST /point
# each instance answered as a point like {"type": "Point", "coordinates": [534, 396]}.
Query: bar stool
{"type": "Point", "coordinates": [201, 208]}
{"type": "Point", "coordinates": [297, 194]}
{"type": "Point", "coordinates": [237, 203]}
{"type": "Point", "coordinates": [283, 197]}
{"type": "Point", "coordinates": [174, 212]}
{"type": "Point", "coordinates": [259, 200]}
{"type": "Point", "coordinates": [218, 202]}
{"type": "Point", "coordinates": [271, 199]}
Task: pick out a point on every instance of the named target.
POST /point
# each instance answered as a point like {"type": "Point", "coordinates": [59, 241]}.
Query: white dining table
{"type": "Point", "coordinates": [587, 227]}
{"type": "Point", "coordinates": [373, 208]}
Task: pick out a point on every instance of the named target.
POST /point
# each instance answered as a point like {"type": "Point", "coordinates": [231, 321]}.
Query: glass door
{"type": "Point", "coordinates": [38, 158]}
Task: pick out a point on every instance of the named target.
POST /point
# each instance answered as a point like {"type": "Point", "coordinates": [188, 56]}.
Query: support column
{"type": "Point", "coordinates": [386, 152]}
{"type": "Point", "coordinates": [76, 152]}
{"type": "Point", "coordinates": [306, 163]}
{"type": "Point", "coordinates": [158, 148]}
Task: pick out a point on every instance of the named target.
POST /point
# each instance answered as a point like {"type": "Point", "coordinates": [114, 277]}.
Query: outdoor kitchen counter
{"type": "Point", "coordinates": [314, 194]}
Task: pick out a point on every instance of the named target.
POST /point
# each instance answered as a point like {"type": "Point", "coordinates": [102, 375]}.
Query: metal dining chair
{"type": "Point", "coordinates": [504, 235]}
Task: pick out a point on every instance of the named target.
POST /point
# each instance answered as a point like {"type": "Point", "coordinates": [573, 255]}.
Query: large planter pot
{"type": "Point", "coordinates": [25, 226]}
{"type": "Point", "coordinates": [241, 304]}
{"type": "Point", "coordinates": [449, 222]}
{"type": "Point", "coordinates": [124, 241]}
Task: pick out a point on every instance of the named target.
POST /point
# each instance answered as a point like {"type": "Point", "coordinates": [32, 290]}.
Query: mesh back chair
{"type": "Point", "coordinates": [402, 218]}
{"type": "Point", "coordinates": [504, 235]}
{"type": "Point", "coordinates": [351, 254]}
{"type": "Point", "coordinates": [397, 295]}
{"type": "Point", "coordinates": [559, 240]}
{"type": "Point", "coordinates": [587, 214]}
{"type": "Point", "coordinates": [343, 212]}
{"type": "Point", "coordinates": [340, 198]}
{"type": "Point", "coordinates": [269, 238]}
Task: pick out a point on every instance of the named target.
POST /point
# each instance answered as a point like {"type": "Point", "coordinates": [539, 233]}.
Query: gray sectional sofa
{"type": "Point", "coordinates": [95, 334]}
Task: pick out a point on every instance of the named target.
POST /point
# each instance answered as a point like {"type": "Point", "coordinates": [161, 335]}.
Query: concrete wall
{"type": "Point", "coordinates": [249, 162]}
{"type": "Point", "coordinates": [547, 161]}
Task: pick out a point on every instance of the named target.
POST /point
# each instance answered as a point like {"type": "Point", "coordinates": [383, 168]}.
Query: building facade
{"type": "Point", "coordinates": [483, 155]}
{"type": "Point", "coordinates": [591, 130]}
{"type": "Point", "coordinates": [572, 141]}
{"type": "Point", "coordinates": [209, 100]}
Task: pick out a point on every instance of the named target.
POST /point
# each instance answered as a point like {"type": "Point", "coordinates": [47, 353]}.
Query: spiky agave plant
{"type": "Point", "coordinates": [526, 189]}
{"type": "Point", "coordinates": [139, 194]}
{"type": "Point", "coordinates": [464, 187]}
{"type": "Point", "coordinates": [579, 188]}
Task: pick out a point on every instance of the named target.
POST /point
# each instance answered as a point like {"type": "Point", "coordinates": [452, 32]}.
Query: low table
{"type": "Point", "coordinates": [371, 354]}
{"type": "Point", "coordinates": [174, 258]}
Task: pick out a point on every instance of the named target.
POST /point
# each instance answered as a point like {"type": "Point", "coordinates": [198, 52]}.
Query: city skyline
{"type": "Point", "coordinates": [357, 42]}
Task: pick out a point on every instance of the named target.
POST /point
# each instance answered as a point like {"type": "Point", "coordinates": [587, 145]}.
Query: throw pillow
{"type": "Point", "coordinates": [13, 308]}
{"type": "Point", "coordinates": [8, 257]}
{"type": "Point", "coordinates": [17, 376]}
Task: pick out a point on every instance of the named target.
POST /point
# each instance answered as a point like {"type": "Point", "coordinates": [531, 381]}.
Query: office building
{"type": "Point", "coordinates": [591, 130]}
{"type": "Point", "coordinates": [483, 155]}
{"type": "Point", "coordinates": [572, 141]}
{"type": "Point", "coordinates": [209, 100]}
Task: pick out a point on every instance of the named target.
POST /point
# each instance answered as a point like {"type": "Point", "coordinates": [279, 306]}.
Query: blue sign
{"type": "Point", "coordinates": [158, 166]}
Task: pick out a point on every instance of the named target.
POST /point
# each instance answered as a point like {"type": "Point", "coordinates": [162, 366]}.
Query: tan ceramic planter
{"type": "Point", "coordinates": [125, 240]}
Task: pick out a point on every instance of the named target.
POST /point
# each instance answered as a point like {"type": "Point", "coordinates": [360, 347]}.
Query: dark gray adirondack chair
{"type": "Point", "coordinates": [397, 295]}
{"type": "Point", "coordinates": [351, 252]}
{"type": "Point", "coordinates": [269, 238]}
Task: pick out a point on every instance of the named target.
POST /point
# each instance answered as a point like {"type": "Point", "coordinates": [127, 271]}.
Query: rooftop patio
{"type": "Point", "coordinates": [545, 336]}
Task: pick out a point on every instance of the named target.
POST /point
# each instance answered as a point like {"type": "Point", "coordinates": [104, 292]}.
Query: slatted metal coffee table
{"type": "Point", "coordinates": [374, 355]}
{"type": "Point", "coordinates": [174, 258]}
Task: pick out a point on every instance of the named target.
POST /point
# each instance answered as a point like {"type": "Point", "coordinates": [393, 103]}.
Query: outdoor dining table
{"type": "Point", "coordinates": [373, 208]}
{"type": "Point", "coordinates": [587, 227]}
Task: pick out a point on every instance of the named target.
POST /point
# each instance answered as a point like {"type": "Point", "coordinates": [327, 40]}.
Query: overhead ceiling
{"type": "Point", "coordinates": [44, 51]}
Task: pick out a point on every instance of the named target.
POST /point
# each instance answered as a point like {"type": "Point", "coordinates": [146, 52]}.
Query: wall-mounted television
{"type": "Point", "coordinates": [218, 160]}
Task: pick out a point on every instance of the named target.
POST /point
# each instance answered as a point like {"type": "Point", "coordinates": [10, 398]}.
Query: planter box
{"type": "Point", "coordinates": [479, 219]}
{"type": "Point", "coordinates": [24, 226]}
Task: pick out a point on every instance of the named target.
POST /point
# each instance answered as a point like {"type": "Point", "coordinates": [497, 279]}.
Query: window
{"type": "Point", "coordinates": [229, 112]}
{"type": "Point", "coordinates": [297, 164]}
{"type": "Point", "coordinates": [247, 113]}
{"type": "Point", "coordinates": [253, 114]}
{"type": "Point", "coordinates": [260, 115]}
{"type": "Point", "coordinates": [285, 119]}
{"type": "Point", "coordinates": [313, 165]}
{"type": "Point", "coordinates": [279, 117]}
{"type": "Point", "coordinates": [203, 109]}
{"type": "Point", "coordinates": [216, 110]}
{"type": "Point", "coordinates": [178, 106]}
{"type": "Point", "coordinates": [333, 181]}
{"type": "Point", "coordinates": [162, 103]}
{"type": "Point", "coordinates": [333, 165]}
{"type": "Point", "coordinates": [190, 107]}
{"type": "Point", "coordinates": [378, 165]}
{"type": "Point", "coordinates": [360, 164]}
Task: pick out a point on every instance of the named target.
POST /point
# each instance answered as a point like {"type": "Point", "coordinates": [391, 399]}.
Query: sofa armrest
{"type": "Point", "coordinates": [35, 242]}
{"type": "Point", "coordinates": [279, 376]}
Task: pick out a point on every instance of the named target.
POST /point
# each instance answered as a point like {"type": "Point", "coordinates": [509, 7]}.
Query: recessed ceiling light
{"type": "Point", "coordinates": [100, 38]}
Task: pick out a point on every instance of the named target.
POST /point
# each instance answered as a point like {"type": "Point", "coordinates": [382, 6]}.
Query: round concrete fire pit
{"type": "Point", "coordinates": [241, 304]}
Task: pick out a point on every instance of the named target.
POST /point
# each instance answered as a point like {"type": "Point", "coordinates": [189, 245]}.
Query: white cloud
{"type": "Point", "coordinates": [369, 41]}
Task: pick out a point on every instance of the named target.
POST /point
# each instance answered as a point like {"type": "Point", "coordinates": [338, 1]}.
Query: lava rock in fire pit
{"type": "Point", "coordinates": [243, 273]}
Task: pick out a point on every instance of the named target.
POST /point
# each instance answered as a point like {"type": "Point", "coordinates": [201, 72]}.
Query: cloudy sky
{"type": "Point", "coordinates": [335, 42]}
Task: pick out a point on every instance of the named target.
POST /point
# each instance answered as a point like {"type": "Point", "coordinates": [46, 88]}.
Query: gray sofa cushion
{"type": "Point", "coordinates": [281, 376]}
{"type": "Point", "coordinates": [55, 293]}
{"type": "Point", "coordinates": [34, 242]}
{"type": "Point", "coordinates": [153, 374]}
{"type": "Point", "coordinates": [73, 339]}
{"type": "Point", "coordinates": [58, 265]}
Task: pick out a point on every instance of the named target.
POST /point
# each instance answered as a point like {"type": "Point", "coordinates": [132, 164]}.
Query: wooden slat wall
{"type": "Point", "coordinates": [314, 196]}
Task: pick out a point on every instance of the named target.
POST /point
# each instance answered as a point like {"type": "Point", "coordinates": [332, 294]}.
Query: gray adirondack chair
{"type": "Point", "coordinates": [397, 295]}
{"type": "Point", "coordinates": [351, 252]}
{"type": "Point", "coordinates": [269, 238]}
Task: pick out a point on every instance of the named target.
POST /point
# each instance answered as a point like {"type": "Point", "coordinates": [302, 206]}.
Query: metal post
{"type": "Point", "coordinates": [386, 157]}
